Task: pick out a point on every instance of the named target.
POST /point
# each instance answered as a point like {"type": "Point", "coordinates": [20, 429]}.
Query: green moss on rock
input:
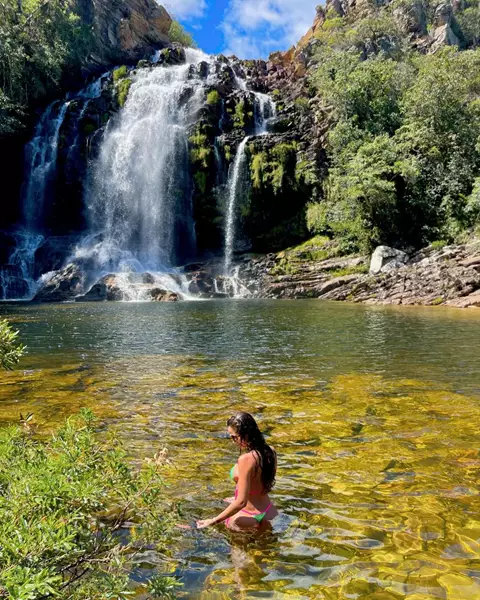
{"type": "Point", "coordinates": [120, 73]}
{"type": "Point", "coordinates": [239, 116]}
{"type": "Point", "coordinates": [123, 87]}
{"type": "Point", "coordinates": [213, 98]}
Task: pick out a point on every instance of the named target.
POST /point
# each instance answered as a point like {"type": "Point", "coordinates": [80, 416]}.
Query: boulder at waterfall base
{"type": "Point", "coordinates": [61, 285]}
{"type": "Point", "coordinates": [116, 287]}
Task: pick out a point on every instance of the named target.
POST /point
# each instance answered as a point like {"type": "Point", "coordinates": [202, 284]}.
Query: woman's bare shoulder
{"type": "Point", "coordinates": [247, 459]}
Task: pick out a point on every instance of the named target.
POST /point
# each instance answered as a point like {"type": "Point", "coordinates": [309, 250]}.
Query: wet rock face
{"type": "Point", "coordinates": [63, 285]}
{"type": "Point", "coordinates": [71, 283]}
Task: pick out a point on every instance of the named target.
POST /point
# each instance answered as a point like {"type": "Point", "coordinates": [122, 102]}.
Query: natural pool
{"type": "Point", "coordinates": [374, 413]}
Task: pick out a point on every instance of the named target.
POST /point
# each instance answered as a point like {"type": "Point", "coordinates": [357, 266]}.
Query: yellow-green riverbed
{"type": "Point", "coordinates": [374, 413]}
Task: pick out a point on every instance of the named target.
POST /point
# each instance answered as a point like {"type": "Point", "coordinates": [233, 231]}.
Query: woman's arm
{"type": "Point", "coordinates": [246, 466]}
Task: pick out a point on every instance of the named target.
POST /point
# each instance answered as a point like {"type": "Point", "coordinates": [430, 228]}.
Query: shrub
{"type": "Point", "coordinates": [61, 539]}
{"type": "Point", "coordinates": [122, 90]}
{"type": "Point", "coordinates": [302, 105]}
{"type": "Point", "coordinates": [239, 116]}
{"type": "Point", "coordinates": [10, 350]}
{"type": "Point", "coordinates": [178, 34]}
{"type": "Point", "coordinates": [120, 73]}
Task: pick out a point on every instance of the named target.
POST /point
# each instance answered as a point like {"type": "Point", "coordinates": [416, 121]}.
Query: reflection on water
{"type": "Point", "coordinates": [374, 413]}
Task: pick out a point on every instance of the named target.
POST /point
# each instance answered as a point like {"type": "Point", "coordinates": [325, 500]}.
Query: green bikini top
{"type": "Point", "coordinates": [232, 471]}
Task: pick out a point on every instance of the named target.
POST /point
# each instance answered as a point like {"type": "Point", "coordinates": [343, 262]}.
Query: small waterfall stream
{"type": "Point", "coordinates": [41, 157]}
{"type": "Point", "coordinates": [264, 110]}
{"type": "Point", "coordinates": [234, 189]}
{"type": "Point", "coordinates": [17, 279]}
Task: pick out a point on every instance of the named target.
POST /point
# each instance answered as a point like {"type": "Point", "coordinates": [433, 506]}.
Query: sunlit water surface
{"type": "Point", "coordinates": [374, 413]}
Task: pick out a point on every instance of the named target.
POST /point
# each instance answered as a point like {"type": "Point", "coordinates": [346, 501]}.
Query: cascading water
{"type": "Point", "coordinates": [141, 198]}
{"type": "Point", "coordinates": [264, 110]}
{"type": "Point", "coordinates": [41, 158]}
{"type": "Point", "coordinates": [234, 190]}
{"type": "Point", "coordinates": [17, 276]}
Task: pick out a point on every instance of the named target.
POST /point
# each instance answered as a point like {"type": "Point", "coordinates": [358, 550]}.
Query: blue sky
{"type": "Point", "coordinates": [247, 28]}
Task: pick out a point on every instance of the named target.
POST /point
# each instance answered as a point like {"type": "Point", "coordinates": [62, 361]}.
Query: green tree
{"type": "Point", "coordinates": [403, 144]}
{"type": "Point", "coordinates": [40, 40]}
{"type": "Point", "coordinates": [440, 137]}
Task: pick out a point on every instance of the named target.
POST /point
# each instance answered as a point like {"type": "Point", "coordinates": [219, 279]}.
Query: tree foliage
{"type": "Point", "coordinates": [178, 34]}
{"type": "Point", "coordinates": [40, 40]}
{"type": "Point", "coordinates": [404, 142]}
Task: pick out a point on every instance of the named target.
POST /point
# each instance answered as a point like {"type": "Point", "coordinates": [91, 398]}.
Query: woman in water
{"type": "Point", "coordinates": [254, 475]}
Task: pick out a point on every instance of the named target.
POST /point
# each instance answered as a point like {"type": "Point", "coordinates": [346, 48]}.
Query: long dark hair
{"type": "Point", "coordinates": [246, 427]}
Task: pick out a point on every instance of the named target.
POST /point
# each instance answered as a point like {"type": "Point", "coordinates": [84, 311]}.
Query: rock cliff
{"type": "Point", "coordinates": [125, 31]}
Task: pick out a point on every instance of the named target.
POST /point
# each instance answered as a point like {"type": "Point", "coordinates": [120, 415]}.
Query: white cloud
{"type": "Point", "coordinates": [185, 9]}
{"type": "Point", "coordinates": [254, 28]}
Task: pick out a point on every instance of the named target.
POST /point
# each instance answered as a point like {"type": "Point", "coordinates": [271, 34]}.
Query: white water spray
{"type": "Point", "coordinates": [141, 198]}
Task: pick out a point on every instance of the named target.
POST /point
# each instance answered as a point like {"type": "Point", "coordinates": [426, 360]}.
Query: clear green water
{"type": "Point", "coordinates": [374, 413]}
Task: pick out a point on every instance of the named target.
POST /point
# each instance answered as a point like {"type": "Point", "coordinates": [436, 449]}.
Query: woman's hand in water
{"type": "Point", "coordinates": [206, 523]}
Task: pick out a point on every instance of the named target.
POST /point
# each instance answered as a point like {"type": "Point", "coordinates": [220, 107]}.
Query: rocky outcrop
{"type": "Point", "coordinates": [386, 259]}
{"type": "Point", "coordinates": [125, 31]}
{"type": "Point", "coordinates": [443, 33]}
{"type": "Point", "coordinates": [62, 285]}
{"type": "Point", "coordinates": [121, 287]}
{"type": "Point", "coordinates": [270, 277]}
{"type": "Point", "coordinates": [70, 284]}
{"type": "Point", "coordinates": [449, 275]}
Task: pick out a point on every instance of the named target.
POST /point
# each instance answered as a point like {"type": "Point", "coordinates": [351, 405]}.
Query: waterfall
{"type": "Point", "coordinates": [140, 201]}
{"type": "Point", "coordinates": [234, 189]}
{"type": "Point", "coordinates": [41, 158]}
{"type": "Point", "coordinates": [17, 276]}
{"type": "Point", "coordinates": [264, 110]}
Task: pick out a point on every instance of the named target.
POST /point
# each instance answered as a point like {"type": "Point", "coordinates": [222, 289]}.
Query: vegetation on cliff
{"type": "Point", "coordinates": [178, 34]}
{"type": "Point", "coordinates": [40, 41]}
{"type": "Point", "coordinates": [403, 142]}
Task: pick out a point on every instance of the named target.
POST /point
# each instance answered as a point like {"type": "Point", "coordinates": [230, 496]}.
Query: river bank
{"type": "Point", "coordinates": [437, 275]}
